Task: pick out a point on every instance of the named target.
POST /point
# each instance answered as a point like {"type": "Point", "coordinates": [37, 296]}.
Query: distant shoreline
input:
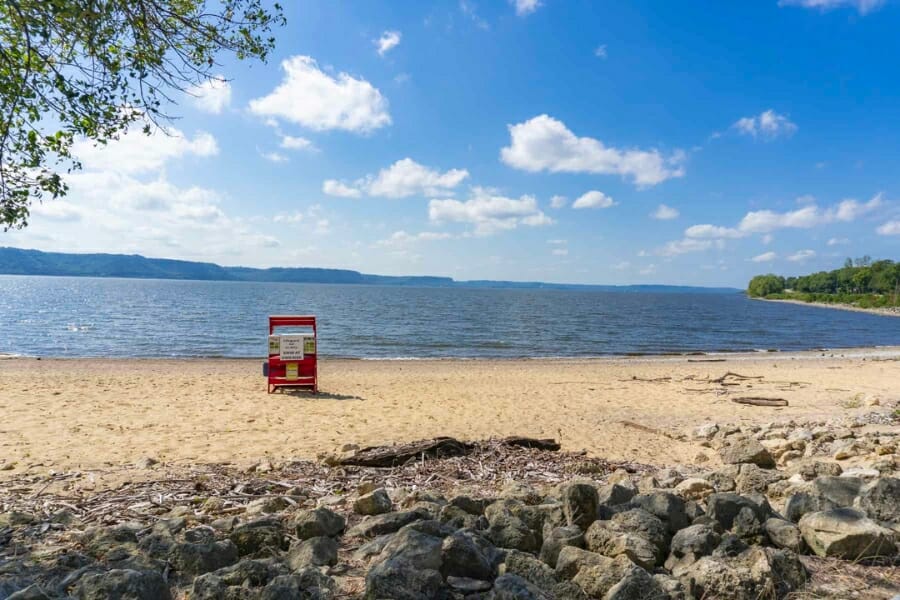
{"type": "Point", "coordinates": [884, 312]}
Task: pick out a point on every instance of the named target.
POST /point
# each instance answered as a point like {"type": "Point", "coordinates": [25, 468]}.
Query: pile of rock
{"type": "Point", "coordinates": [736, 532]}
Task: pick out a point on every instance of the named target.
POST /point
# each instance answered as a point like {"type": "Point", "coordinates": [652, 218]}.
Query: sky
{"type": "Point", "coordinates": [600, 142]}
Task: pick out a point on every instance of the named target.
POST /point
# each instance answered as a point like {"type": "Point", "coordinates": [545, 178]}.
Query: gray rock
{"type": "Point", "coordinates": [456, 517]}
{"type": "Point", "coordinates": [731, 545]}
{"type": "Point", "coordinates": [846, 533]}
{"type": "Point", "coordinates": [754, 479]}
{"type": "Point", "coordinates": [529, 568]}
{"type": "Point", "coordinates": [32, 592]}
{"type": "Point", "coordinates": [312, 552]}
{"type": "Point", "coordinates": [689, 545]}
{"type": "Point", "coordinates": [747, 450]}
{"type": "Point", "coordinates": [470, 505]}
{"type": "Point", "coordinates": [666, 506]}
{"type": "Point", "coordinates": [468, 586]}
{"type": "Point", "coordinates": [598, 579]}
{"type": "Point", "coordinates": [401, 581]}
{"type": "Point", "coordinates": [260, 537]}
{"type": "Point", "coordinates": [415, 548]}
{"type": "Point", "coordinates": [521, 492]}
{"type": "Point", "coordinates": [508, 530]}
{"type": "Point", "coordinates": [605, 538]}
{"type": "Point", "coordinates": [650, 527]}
{"type": "Point", "coordinates": [556, 539]}
{"type": "Point", "coordinates": [670, 586]}
{"type": "Point", "coordinates": [748, 526]}
{"type": "Point", "coordinates": [636, 584]}
{"type": "Point", "coordinates": [755, 573]}
{"type": "Point", "coordinates": [386, 523]}
{"type": "Point", "coordinates": [615, 493]}
{"type": "Point", "coordinates": [784, 534]}
{"type": "Point", "coordinates": [724, 507]}
{"type": "Point", "coordinates": [579, 504]}
{"type": "Point", "coordinates": [571, 560]}
{"type": "Point", "coordinates": [837, 492]}
{"type": "Point", "coordinates": [514, 587]}
{"type": "Point", "coordinates": [467, 554]}
{"type": "Point", "coordinates": [376, 502]}
{"type": "Point", "coordinates": [195, 559]}
{"type": "Point", "coordinates": [881, 500]}
{"type": "Point", "coordinates": [372, 547]}
{"type": "Point", "coordinates": [124, 584]}
{"type": "Point", "coordinates": [249, 573]}
{"type": "Point", "coordinates": [318, 522]}
{"type": "Point", "coordinates": [308, 584]}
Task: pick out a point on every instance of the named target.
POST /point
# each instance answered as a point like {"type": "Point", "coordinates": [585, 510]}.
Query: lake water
{"type": "Point", "coordinates": [63, 316]}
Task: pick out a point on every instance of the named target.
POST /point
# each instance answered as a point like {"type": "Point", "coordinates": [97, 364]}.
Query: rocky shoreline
{"type": "Point", "coordinates": [780, 518]}
{"type": "Point", "coordinates": [885, 312]}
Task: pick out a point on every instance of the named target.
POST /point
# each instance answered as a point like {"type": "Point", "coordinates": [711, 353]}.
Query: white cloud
{"type": "Point", "coordinates": [402, 179]}
{"type": "Point", "coordinates": [593, 199]}
{"type": "Point", "coordinates": [765, 221]}
{"type": "Point", "coordinates": [558, 201]}
{"type": "Point", "coordinates": [402, 238]}
{"type": "Point", "coordinates": [212, 95]}
{"type": "Point", "coordinates": [665, 213]}
{"type": "Point", "coordinates": [862, 6]}
{"type": "Point", "coordinates": [767, 125]}
{"type": "Point", "coordinates": [469, 9]}
{"type": "Point", "coordinates": [312, 98]}
{"type": "Point", "coordinates": [764, 257]}
{"type": "Point", "coordinates": [889, 228]}
{"type": "Point", "coordinates": [489, 212]}
{"type": "Point", "coordinates": [560, 252]}
{"type": "Point", "coordinates": [294, 217]}
{"type": "Point", "coordinates": [546, 144]}
{"type": "Point", "coordinates": [684, 246]}
{"type": "Point", "coordinates": [767, 239]}
{"type": "Point", "coordinates": [621, 266]}
{"type": "Point", "coordinates": [711, 232]}
{"type": "Point", "coordinates": [558, 242]}
{"type": "Point", "coordinates": [387, 41]}
{"type": "Point", "coordinates": [333, 187]}
{"type": "Point", "coordinates": [525, 7]}
{"type": "Point", "coordinates": [801, 255]}
{"type": "Point", "coordinates": [56, 210]}
{"type": "Point", "coordinates": [135, 152]}
{"type": "Point", "coordinates": [648, 270]}
{"type": "Point", "coordinates": [850, 210]}
{"type": "Point", "coordinates": [290, 142]}
{"type": "Point", "coordinates": [600, 51]}
{"type": "Point", "coordinates": [838, 241]}
{"type": "Point", "coordinates": [274, 157]}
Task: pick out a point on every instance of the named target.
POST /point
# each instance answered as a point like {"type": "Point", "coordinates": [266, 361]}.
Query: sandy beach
{"type": "Point", "coordinates": [884, 312]}
{"type": "Point", "coordinates": [91, 413]}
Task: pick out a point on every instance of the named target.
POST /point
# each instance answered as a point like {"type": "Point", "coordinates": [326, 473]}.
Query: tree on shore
{"type": "Point", "coordinates": [763, 285]}
{"type": "Point", "coordinates": [92, 68]}
{"type": "Point", "coordinates": [856, 277]}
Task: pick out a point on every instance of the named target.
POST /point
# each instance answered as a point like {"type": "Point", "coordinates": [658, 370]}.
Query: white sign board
{"type": "Point", "coordinates": [292, 346]}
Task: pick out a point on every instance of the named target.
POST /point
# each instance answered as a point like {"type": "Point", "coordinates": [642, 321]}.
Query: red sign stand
{"type": "Point", "coordinates": [292, 356]}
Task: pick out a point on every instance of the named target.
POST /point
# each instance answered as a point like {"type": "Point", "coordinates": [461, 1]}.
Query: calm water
{"type": "Point", "coordinates": [61, 316]}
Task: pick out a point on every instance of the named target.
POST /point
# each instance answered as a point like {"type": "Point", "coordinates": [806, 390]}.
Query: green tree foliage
{"type": "Point", "coordinates": [764, 285]}
{"type": "Point", "coordinates": [878, 281]}
{"type": "Point", "coordinates": [92, 68]}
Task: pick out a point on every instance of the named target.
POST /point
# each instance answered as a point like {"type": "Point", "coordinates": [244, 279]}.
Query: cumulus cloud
{"type": "Point", "coordinates": [765, 221]}
{"type": "Point", "coordinates": [684, 246]}
{"type": "Point", "coordinates": [838, 241]}
{"type": "Point", "coordinates": [764, 257]}
{"type": "Point", "coordinates": [801, 256]}
{"type": "Point", "coordinates": [311, 97]}
{"type": "Point", "coordinates": [212, 95]}
{"type": "Point", "coordinates": [889, 228]}
{"type": "Point", "coordinates": [402, 179]}
{"type": "Point", "coordinates": [134, 152]}
{"type": "Point", "coordinates": [768, 125]}
{"type": "Point", "coordinates": [600, 51]}
{"type": "Point", "coordinates": [56, 210]}
{"type": "Point", "coordinates": [402, 238]}
{"type": "Point", "coordinates": [546, 144]}
{"type": "Point", "coordinates": [489, 212]}
{"type": "Point", "coordinates": [559, 202]}
{"type": "Point", "coordinates": [275, 157]}
{"type": "Point", "coordinates": [387, 41]}
{"type": "Point", "coordinates": [593, 199]}
{"type": "Point", "coordinates": [862, 6]}
{"type": "Point", "coordinates": [711, 232]}
{"type": "Point", "coordinates": [525, 7]}
{"type": "Point", "coordinates": [290, 142]}
{"type": "Point", "coordinates": [665, 213]}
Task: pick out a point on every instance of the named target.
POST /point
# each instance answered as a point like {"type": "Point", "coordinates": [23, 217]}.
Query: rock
{"type": "Point", "coordinates": [748, 526]}
{"type": "Point", "coordinates": [414, 548]}
{"type": "Point", "coordinates": [263, 536]}
{"type": "Point", "coordinates": [752, 479]}
{"type": "Point", "coordinates": [881, 500]}
{"type": "Point", "coordinates": [470, 505]}
{"type": "Point", "coordinates": [306, 584]}
{"type": "Point", "coordinates": [784, 534]}
{"type": "Point", "coordinates": [556, 539]}
{"type": "Point", "coordinates": [613, 494]}
{"type": "Point", "coordinates": [376, 502]}
{"type": "Point", "coordinates": [670, 586]}
{"type": "Point", "coordinates": [694, 488]}
{"type": "Point", "coordinates": [398, 580]}
{"type": "Point", "coordinates": [598, 579]}
{"type": "Point", "coordinates": [146, 463]}
{"type": "Point", "coordinates": [386, 523]}
{"type": "Point", "coordinates": [862, 473]}
{"type": "Point", "coordinates": [313, 552]}
{"type": "Point", "coordinates": [529, 568]}
{"type": "Point", "coordinates": [693, 510]}
{"type": "Point", "coordinates": [731, 545]}
{"type": "Point", "coordinates": [755, 573]}
{"type": "Point", "coordinates": [516, 490]}
{"type": "Point", "coordinates": [193, 559]}
{"type": "Point", "coordinates": [706, 431]}
{"type": "Point", "coordinates": [725, 507]}
{"type": "Point", "coordinates": [467, 554]}
{"type": "Point", "coordinates": [747, 450]}
{"type": "Point", "coordinates": [689, 545]}
{"type": "Point", "coordinates": [123, 583]}
{"type": "Point", "coordinates": [248, 573]}
{"type": "Point", "coordinates": [32, 592]}
{"type": "Point", "coordinates": [579, 504]}
{"type": "Point", "coordinates": [838, 491]}
{"type": "Point", "coordinates": [818, 468]}
{"type": "Point", "coordinates": [456, 517]}
{"type": "Point", "coordinates": [666, 506]}
{"type": "Point", "coordinates": [100, 542]}
{"type": "Point", "coordinates": [636, 584]}
{"type": "Point", "coordinates": [372, 547]}
{"type": "Point", "coordinates": [571, 560]}
{"type": "Point", "coordinates": [507, 530]}
{"type": "Point", "coordinates": [318, 522]}
{"type": "Point", "coordinates": [468, 586]}
{"type": "Point", "coordinates": [846, 533]}
{"type": "Point", "coordinates": [514, 587]}
{"type": "Point", "coordinates": [604, 538]}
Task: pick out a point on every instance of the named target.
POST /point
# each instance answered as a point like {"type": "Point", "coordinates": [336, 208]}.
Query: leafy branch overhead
{"type": "Point", "coordinates": [92, 68]}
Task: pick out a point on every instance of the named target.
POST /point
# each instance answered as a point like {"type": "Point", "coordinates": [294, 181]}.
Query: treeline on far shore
{"type": "Point", "coordinates": [862, 282]}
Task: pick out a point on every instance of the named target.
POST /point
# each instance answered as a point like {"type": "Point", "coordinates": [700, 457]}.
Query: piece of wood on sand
{"type": "Point", "coordinates": [439, 447]}
{"type": "Point", "coordinates": [759, 401]}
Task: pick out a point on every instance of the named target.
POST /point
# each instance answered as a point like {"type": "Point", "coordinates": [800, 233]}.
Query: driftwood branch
{"type": "Point", "coordinates": [440, 447]}
{"type": "Point", "coordinates": [758, 401]}
{"type": "Point", "coordinates": [734, 376]}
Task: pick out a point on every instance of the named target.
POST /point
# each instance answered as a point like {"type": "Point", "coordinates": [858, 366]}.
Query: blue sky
{"type": "Point", "coordinates": [568, 141]}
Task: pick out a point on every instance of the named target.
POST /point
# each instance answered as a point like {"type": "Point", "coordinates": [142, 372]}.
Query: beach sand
{"type": "Point", "coordinates": [91, 413]}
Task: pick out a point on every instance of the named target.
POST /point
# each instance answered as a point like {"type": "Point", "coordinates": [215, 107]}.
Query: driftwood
{"type": "Point", "coordinates": [758, 401]}
{"type": "Point", "coordinates": [440, 447]}
{"type": "Point", "coordinates": [652, 430]}
{"type": "Point", "coordinates": [735, 376]}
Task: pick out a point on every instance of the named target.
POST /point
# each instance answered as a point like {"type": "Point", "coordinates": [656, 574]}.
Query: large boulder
{"type": "Point", "coordinates": [467, 554]}
{"type": "Point", "coordinates": [784, 534]}
{"type": "Point", "coordinates": [195, 559]}
{"type": "Point", "coordinates": [725, 507]}
{"type": "Point", "coordinates": [386, 523]}
{"type": "Point", "coordinates": [557, 538]}
{"type": "Point", "coordinates": [376, 502]}
{"type": "Point", "coordinates": [747, 450]}
{"type": "Point", "coordinates": [597, 578]}
{"type": "Point", "coordinates": [318, 522]}
{"type": "Point", "coordinates": [571, 560]}
{"type": "Point", "coordinates": [513, 587]}
{"type": "Point", "coordinates": [259, 537]}
{"type": "Point", "coordinates": [846, 533]}
{"type": "Point", "coordinates": [636, 584]}
{"type": "Point", "coordinates": [881, 500]}
{"type": "Point", "coordinates": [307, 583]}
{"type": "Point", "coordinates": [666, 506]}
{"type": "Point", "coordinates": [753, 574]}
{"type": "Point", "coordinates": [314, 552]}
{"type": "Point", "coordinates": [691, 544]}
{"type": "Point", "coordinates": [579, 504]}
{"type": "Point", "coordinates": [508, 526]}
{"type": "Point", "coordinates": [753, 479]}
{"type": "Point", "coordinates": [400, 580]}
{"type": "Point", "coordinates": [124, 584]}
{"type": "Point", "coordinates": [416, 548]}
{"type": "Point", "coordinates": [529, 568]}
